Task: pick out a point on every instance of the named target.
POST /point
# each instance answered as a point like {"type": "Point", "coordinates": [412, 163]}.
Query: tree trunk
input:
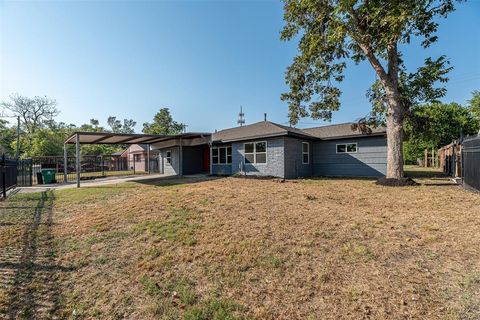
{"type": "Point", "coordinates": [395, 116]}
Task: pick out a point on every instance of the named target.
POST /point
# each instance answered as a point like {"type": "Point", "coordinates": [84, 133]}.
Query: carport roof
{"type": "Point", "coordinates": [126, 138]}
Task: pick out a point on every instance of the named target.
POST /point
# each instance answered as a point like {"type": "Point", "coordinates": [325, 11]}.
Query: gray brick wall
{"type": "Point", "coordinates": [275, 159]}
{"type": "Point", "coordinates": [222, 169]}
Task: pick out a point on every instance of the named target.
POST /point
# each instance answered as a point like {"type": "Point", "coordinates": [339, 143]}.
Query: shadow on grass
{"type": "Point", "coordinates": [420, 172]}
{"type": "Point", "coordinates": [176, 180]}
{"type": "Point", "coordinates": [29, 272]}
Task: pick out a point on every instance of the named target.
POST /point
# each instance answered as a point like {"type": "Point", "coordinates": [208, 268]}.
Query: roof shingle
{"type": "Point", "coordinates": [258, 130]}
{"type": "Point", "coordinates": [342, 130]}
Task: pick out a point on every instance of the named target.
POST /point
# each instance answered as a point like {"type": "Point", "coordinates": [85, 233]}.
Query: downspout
{"type": "Point", "coordinates": [65, 163]}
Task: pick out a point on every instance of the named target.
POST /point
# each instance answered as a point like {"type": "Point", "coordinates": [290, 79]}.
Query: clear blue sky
{"type": "Point", "coordinates": [201, 59]}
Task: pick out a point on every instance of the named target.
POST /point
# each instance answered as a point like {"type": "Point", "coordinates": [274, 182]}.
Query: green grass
{"type": "Point", "coordinates": [90, 194]}
{"type": "Point", "coordinates": [214, 309]}
{"type": "Point", "coordinates": [179, 227]}
{"type": "Point", "coordinates": [357, 251]}
{"type": "Point", "coordinates": [422, 172]}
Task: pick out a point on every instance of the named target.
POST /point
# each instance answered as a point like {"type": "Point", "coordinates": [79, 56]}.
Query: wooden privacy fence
{"type": "Point", "coordinates": [461, 159]}
{"type": "Point", "coordinates": [450, 159]}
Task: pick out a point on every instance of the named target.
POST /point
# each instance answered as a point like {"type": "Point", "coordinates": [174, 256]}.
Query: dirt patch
{"type": "Point", "coordinates": [403, 182]}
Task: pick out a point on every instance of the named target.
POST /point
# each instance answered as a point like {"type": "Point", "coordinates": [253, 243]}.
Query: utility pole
{"type": "Point", "coordinates": [241, 118]}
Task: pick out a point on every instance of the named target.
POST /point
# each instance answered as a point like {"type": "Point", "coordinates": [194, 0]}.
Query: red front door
{"type": "Point", "coordinates": [206, 159]}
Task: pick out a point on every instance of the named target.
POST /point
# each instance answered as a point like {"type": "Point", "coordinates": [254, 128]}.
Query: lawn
{"type": "Point", "coordinates": [235, 248]}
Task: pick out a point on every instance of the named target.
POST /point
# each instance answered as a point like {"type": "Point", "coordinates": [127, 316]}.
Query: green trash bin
{"type": "Point", "coordinates": [48, 176]}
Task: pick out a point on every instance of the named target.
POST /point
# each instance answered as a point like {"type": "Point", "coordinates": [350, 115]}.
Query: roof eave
{"type": "Point", "coordinates": [376, 134]}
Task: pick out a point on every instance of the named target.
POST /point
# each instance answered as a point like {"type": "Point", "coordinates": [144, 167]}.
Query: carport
{"type": "Point", "coordinates": [158, 141]}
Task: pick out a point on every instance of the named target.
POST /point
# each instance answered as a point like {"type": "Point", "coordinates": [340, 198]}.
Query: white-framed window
{"type": "Point", "coordinates": [255, 152]}
{"type": "Point", "coordinates": [137, 157]}
{"type": "Point", "coordinates": [347, 148]}
{"type": "Point", "coordinates": [222, 155]}
{"type": "Point", "coordinates": [305, 152]}
{"type": "Point", "coordinates": [168, 156]}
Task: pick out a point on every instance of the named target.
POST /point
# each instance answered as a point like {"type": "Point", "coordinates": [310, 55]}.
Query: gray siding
{"type": "Point", "coordinates": [369, 161]}
{"type": "Point", "coordinates": [170, 168]}
{"type": "Point", "coordinates": [294, 166]}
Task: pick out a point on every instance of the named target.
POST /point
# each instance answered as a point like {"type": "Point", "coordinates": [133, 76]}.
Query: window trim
{"type": "Point", "coordinates": [346, 148]}
{"type": "Point", "coordinates": [306, 153]}
{"type": "Point", "coordinates": [255, 152]}
{"type": "Point", "coordinates": [168, 156]}
{"type": "Point", "coordinates": [226, 155]}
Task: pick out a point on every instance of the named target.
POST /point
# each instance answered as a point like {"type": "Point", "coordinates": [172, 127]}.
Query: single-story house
{"type": "Point", "coordinates": [270, 149]}
{"type": "Point", "coordinates": [136, 155]}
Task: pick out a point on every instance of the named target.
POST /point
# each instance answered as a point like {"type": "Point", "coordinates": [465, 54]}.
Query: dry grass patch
{"type": "Point", "coordinates": [243, 248]}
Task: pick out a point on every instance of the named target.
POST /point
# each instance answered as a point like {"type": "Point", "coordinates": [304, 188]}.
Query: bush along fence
{"type": "Point", "coordinates": [8, 175]}
{"type": "Point", "coordinates": [33, 171]}
{"type": "Point", "coordinates": [461, 159]}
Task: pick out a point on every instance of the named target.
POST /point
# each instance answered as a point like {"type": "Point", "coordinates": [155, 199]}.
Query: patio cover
{"type": "Point", "coordinates": [79, 138]}
{"type": "Point", "coordinates": [126, 138]}
{"type": "Point", "coordinates": [113, 138]}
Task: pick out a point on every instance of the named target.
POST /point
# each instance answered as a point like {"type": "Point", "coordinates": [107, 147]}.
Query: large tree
{"type": "Point", "coordinates": [333, 31]}
{"type": "Point", "coordinates": [7, 136]}
{"type": "Point", "coordinates": [163, 123]}
{"type": "Point", "coordinates": [33, 112]}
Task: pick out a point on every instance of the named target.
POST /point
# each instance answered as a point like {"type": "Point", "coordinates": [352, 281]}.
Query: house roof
{"type": "Point", "coordinates": [261, 129]}
{"type": "Point", "coordinates": [342, 130]}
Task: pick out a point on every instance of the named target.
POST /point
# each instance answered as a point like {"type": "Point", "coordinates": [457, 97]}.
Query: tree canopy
{"type": "Point", "coordinates": [434, 125]}
{"type": "Point", "coordinates": [331, 32]}
{"type": "Point", "coordinates": [163, 123]}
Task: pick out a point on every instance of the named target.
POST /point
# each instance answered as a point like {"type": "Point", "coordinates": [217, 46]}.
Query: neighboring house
{"type": "Point", "coordinates": [269, 149]}
{"type": "Point", "coordinates": [137, 155]}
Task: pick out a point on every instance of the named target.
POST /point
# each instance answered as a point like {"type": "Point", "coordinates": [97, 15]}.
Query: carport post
{"type": "Point", "coordinates": [180, 158]}
{"type": "Point", "coordinates": [77, 158]}
{"type": "Point", "coordinates": [211, 157]}
{"type": "Point", "coordinates": [148, 158]}
{"type": "Point", "coordinates": [65, 163]}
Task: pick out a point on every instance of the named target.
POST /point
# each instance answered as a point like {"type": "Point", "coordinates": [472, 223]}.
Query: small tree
{"type": "Point", "coordinates": [333, 31]}
{"type": "Point", "coordinates": [163, 123]}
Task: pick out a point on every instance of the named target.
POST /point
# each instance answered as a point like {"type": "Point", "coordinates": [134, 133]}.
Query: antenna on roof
{"type": "Point", "coordinates": [265, 116]}
{"type": "Point", "coordinates": [241, 117]}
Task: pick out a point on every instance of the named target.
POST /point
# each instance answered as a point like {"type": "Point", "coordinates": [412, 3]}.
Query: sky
{"type": "Point", "coordinates": [201, 59]}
